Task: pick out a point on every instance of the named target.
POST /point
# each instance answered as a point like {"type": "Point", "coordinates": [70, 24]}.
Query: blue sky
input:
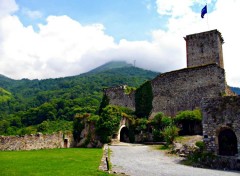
{"type": "Point", "coordinates": [132, 19]}
{"type": "Point", "coordinates": [56, 38]}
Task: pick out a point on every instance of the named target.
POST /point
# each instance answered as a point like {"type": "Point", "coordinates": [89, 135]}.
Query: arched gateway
{"type": "Point", "coordinates": [227, 142]}
{"type": "Point", "coordinates": [123, 134]}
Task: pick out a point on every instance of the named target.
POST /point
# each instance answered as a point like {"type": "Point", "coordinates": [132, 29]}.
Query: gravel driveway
{"type": "Point", "coordinates": [142, 160]}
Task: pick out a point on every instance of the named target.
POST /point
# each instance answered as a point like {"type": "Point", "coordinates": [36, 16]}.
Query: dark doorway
{"type": "Point", "coordinates": [124, 135]}
{"type": "Point", "coordinates": [227, 142]}
{"type": "Point", "coordinates": [188, 127]}
{"type": "Point", "coordinates": [65, 143]}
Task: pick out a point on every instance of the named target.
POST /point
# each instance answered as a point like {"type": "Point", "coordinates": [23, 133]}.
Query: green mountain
{"type": "Point", "coordinates": [40, 105]}
{"type": "Point", "coordinates": [111, 65]}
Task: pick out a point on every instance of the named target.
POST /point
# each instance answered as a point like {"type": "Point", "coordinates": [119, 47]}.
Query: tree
{"type": "Point", "coordinates": [108, 123]}
{"type": "Point", "coordinates": [4, 124]}
{"type": "Point", "coordinates": [104, 103]}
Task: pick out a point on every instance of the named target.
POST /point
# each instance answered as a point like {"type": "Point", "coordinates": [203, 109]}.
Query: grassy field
{"type": "Point", "coordinates": [54, 162]}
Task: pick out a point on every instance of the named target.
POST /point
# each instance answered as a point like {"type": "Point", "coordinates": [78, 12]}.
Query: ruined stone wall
{"type": "Point", "coordinates": [37, 141]}
{"type": "Point", "coordinates": [184, 89]}
{"type": "Point", "coordinates": [204, 48]}
{"type": "Point", "coordinates": [219, 114]}
{"type": "Point", "coordinates": [118, 97]}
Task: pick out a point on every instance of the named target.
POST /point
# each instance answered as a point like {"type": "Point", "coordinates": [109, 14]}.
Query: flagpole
{"type": "Point", "coordinates": [207, 18]}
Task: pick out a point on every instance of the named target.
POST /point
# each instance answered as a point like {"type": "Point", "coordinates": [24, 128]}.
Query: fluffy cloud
{"type": "Point", "coordinates": [7, 7]}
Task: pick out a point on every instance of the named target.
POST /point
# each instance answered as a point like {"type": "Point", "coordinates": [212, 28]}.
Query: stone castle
{"type": "Point", "coordinates": [201, 85]}
{"type": "Point", "coordinates": [184, 89]}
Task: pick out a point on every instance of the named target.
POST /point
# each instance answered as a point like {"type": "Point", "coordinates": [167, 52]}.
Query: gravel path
{"type": "Point", "coordinates": [142, 160]}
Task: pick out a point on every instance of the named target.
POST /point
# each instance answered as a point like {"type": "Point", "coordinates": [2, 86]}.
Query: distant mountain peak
{"type": "Point", "coordinates": [111, 65]}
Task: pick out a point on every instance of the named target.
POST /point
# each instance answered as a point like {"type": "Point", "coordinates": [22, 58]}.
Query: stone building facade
{"type": "Point", "coordinates": [221, 125]}
{"type": "Point", "coordinates": [184, 89]}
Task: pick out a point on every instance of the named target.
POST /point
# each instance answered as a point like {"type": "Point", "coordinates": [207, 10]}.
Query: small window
{"type": "Point", "coordinates": [201, 48]}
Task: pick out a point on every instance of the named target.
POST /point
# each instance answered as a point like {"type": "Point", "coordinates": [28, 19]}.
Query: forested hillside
{"type": "Point", "coordinates": [28, 106]}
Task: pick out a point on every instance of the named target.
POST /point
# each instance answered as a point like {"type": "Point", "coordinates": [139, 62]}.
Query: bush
{"type": "Point", "coordinates": [170, 133]}
{"type": "Point", "coordinates": [141, 124]}
{"type": "Point", "coordinates": [200, 145]}
{"type": "Point", "coordinates": [194, 115]}
{"type": "Point", "coordinates": [159, 122]}
{"type": "Point", "coordinates": [189, 120]}
{"type": "Point", "coordinates": [157, 135]}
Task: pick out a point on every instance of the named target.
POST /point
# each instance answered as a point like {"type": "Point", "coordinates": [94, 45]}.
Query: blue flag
{"type": "Point", "coordinates": [204, 11]}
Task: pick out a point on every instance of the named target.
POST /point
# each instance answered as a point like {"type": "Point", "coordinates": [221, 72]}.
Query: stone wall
{"type": "Point", "coordinates": [37, 141]}
{"type": "Point", "coordinates": [220, 114]}
{"type": "Point", "coordinates": [204, 48]}
{"type": "Point", "coordinates": [117, 96]}
{"type": "Point", "coordinates": [184, 89]}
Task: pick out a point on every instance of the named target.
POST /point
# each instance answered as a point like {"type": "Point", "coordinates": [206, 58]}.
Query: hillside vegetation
{"type": "Point", "coordinates": [28, 106]}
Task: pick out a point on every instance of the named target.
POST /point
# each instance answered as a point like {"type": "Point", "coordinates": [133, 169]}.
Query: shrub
{"type": "Point", "coordinates": [129, 89]}
{"type": "Point", "coordinates": [188, 120]}
{"type": "Point", "coordinates": [170, 133]}
{"type": "Point", "coordinates": [194, 115]}
{"type": "Point", "coordinates": [141, 124]}
{"type": "Point", "coordinates": [159, 122]}
{"type": "Point", "coordinates": [200, 145]}
{"type": "Point", "coordinates": [157, 135]}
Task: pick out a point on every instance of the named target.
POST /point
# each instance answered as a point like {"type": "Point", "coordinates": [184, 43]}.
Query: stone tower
{"type": "Point", "coordinates": [204, 48]}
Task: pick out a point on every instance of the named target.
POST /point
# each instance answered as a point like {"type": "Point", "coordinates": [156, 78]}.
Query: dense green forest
{"type": "Point", "coordinates": [30, 106]}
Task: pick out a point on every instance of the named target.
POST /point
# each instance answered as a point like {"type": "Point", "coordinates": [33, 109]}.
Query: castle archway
{"type": "Point", "coordinates": [227, 142]}
{"type": "Point", "coordinates": [124, 135]}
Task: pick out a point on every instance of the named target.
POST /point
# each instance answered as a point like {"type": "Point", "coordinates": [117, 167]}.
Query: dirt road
{"type": "Point", "coordinates": [142, 160]}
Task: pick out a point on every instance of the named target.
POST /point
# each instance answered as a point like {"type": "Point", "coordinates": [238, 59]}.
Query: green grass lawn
{"type": "Point", "coordinates": [53, 162]}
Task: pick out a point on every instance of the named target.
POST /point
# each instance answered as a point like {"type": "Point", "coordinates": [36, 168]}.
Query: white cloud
{"type": "Point", "coordinates": [7, 7]}
{"type": "Point", "coordinates": [56, 50]}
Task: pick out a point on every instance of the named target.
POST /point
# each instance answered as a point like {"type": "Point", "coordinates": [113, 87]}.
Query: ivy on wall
{"type": "Point", "coordinates": [105, 101]}
{"type": "Point", "coordinates": [143, 100]}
